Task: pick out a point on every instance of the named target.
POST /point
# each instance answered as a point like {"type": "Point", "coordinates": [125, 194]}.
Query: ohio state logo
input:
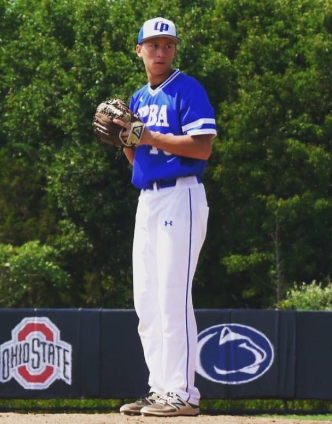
{"type": "Point", "coordinates": [35, 356]}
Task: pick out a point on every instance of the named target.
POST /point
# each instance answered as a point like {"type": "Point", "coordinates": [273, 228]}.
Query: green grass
{"type": "Point", "coordinates": [307, 417]}
{"type": "Point", "coordinates": [303, 409]}
{"type": "Point", "coordinates": [265, 405]}
{"type": "Point", "coordinates": [54, 405]}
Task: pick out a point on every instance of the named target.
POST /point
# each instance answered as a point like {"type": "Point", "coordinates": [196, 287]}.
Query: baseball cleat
{"type": "Point", "coordinates": [170, 405]}
{"type": "Point", "coordinates": [135, 407]}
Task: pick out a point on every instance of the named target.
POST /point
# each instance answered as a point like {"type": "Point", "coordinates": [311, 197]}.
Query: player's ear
{"type": "Point", "coordinates": [139, 50]}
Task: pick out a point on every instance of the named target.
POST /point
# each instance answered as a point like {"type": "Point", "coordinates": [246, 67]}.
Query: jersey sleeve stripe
{"type": "Point", "coordinates": [206, 131]}
{"type": "Point", "coordinates": [197, 124]}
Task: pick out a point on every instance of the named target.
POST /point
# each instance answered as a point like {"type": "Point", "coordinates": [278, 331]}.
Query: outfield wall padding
{"type": "Point", "coordinates": [96, 353]}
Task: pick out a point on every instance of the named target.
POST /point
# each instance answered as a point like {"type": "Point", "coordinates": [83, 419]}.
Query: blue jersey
{"type": "Point", "coordinates": [178, 106]}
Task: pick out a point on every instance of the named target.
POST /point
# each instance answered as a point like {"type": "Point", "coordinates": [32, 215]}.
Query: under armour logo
{"type": "Point", "coordinates": [161, 26]}
{"type": "Point", "coordinates": [168, 223]}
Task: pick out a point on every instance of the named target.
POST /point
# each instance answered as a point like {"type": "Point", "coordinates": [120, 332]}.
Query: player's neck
{"type": "Point", "coordinates": [156, 80]}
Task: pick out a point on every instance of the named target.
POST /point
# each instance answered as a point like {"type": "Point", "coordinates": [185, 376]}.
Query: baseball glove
{"type": "Point", "coordinates": [108, 132]}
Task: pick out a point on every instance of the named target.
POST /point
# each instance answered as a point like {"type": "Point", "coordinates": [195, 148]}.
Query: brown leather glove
{"type": "Point", "coordinates": [106, 131]}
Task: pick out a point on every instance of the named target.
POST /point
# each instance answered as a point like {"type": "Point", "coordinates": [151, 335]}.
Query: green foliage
{"type": "Point", "coordinates": [313, 296]}
{"type": "Point", "coordinates": [60, 60]}
{"type": "Point", "coordinates": [26, 210]}
{"type": "Point", "coordinates": [93, 191]}
{"type": "Point", "coordinates": [273, 160]}
{"type": "Point", "coordinates": [267, 68]}
{"type": "Point", "coordinates": [31, 275]}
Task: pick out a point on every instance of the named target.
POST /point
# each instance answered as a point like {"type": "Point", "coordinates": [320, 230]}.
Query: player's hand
{"type": "Point", "coordinates": [126, 127]}
{"type": "Point", "coordinates": [126, 131]}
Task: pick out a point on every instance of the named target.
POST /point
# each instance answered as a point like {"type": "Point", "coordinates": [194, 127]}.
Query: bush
{"type": "Point", "coordinates": [30, 273]}
{"type": "Point", "coordinates": [311, 296]}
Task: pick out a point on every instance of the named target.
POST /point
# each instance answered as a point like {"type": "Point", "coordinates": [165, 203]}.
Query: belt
{"type": "Point", "coordinates": [165, 184]}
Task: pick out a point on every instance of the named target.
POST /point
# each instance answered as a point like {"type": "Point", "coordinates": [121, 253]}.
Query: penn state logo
{"type": "Point", "coordinates": [36, 356]}
{"type": "Point", "coordinates": [233, 354]}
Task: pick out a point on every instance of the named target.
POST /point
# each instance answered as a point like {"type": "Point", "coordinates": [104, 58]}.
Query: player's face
{"type": "Point", "coordinates": [158, 54]}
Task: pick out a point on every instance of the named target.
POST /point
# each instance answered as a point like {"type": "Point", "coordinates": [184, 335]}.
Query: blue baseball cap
{"type": "Point", "coordinates": [157, 27]}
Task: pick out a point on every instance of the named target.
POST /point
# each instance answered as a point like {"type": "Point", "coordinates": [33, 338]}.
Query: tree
{"type": "Point", "coordinates": [267, 69]}
{"type": "Point", "coordinates": [273, 164]}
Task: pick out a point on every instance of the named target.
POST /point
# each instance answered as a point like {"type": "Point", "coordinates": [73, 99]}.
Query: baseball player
{"type": "Point", "coordinates": [171, 219]}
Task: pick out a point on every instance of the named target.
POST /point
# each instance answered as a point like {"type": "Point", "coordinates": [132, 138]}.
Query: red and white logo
{"type": "Point", "coordinates": [36, 356]}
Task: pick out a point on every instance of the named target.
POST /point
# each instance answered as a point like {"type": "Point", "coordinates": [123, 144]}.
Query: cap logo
{"type": "Point", "coordinates": [161, 26]}
{"type": "Point", "coordinates": [157, 27]}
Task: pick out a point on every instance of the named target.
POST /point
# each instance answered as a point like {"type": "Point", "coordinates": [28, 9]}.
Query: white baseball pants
{"type": "Point", "coordinates": [169, 233]}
